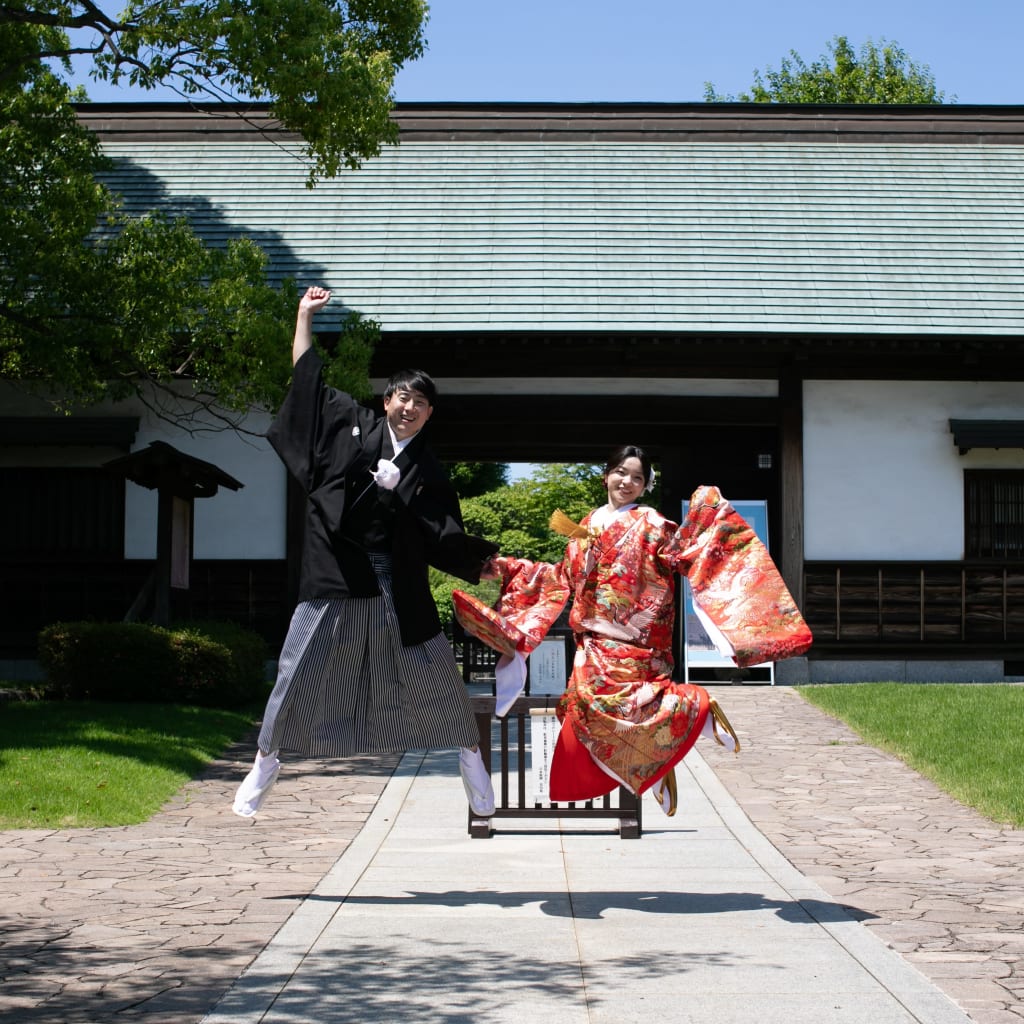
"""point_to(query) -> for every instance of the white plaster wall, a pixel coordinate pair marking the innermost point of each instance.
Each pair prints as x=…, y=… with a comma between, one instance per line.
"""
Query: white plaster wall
x=882, y=478
x=244, y=524
x=248, y=523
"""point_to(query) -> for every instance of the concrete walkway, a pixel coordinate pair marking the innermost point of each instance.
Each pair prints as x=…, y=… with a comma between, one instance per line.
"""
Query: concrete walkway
x=782, y=890
x=700, y=920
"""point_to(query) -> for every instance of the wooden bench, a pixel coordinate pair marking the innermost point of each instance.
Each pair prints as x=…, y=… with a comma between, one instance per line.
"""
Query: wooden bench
x=513, y=796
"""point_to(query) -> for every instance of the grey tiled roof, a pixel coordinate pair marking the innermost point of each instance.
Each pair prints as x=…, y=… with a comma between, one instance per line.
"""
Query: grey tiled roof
x=601, y=235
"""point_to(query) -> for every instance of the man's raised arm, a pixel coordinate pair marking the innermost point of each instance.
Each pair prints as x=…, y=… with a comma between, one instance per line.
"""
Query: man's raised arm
x=314, y=299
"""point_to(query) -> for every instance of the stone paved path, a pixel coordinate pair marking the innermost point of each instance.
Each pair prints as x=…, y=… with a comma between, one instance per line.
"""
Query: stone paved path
x=940, y=884
x=154, y=922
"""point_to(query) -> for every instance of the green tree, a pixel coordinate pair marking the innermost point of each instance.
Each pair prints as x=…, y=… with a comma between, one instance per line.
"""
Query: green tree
x=880, y=73
x=473, y=478
x=327, y=67
x=515, y=517
x=95, y=304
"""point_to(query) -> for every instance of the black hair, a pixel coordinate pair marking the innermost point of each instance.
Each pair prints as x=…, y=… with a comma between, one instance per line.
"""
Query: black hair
x=412, y=380
x=628, y=451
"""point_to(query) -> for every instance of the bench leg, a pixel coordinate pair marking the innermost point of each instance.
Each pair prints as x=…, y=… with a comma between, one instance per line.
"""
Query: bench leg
x=630, y=820
x=480, y=828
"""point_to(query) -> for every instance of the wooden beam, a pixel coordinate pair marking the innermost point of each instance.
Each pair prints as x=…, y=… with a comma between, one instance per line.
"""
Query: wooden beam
x=791, y=455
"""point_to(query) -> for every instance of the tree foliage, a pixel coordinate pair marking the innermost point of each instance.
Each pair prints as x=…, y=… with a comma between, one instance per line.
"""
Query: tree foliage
x=515, y=517
x=96, y=304
x=327, y=67
x=471, y=479
x=879, y=73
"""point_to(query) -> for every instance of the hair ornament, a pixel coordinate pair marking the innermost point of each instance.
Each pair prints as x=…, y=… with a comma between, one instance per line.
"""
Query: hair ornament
x=650, y=480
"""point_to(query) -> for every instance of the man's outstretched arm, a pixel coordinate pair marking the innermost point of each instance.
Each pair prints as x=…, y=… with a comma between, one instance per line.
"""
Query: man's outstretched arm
x=315, y=299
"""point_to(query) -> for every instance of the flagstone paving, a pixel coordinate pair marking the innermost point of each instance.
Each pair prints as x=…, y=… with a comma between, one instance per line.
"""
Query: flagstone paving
x=937, y=882
x=155, y=922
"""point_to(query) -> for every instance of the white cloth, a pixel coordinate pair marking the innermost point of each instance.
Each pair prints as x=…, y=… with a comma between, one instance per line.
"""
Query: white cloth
x=604, y=516
x=387, y=475
x=509, y=680
x=256, y=785
x=396, y=445
x=722, y=737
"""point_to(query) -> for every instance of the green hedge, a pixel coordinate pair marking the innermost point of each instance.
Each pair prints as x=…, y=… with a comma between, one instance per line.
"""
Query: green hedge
x=212, y=664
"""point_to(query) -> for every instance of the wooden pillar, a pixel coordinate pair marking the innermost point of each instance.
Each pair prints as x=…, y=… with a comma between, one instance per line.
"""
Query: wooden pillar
x=164, y=542
x=676, y=486
x=181, y=543
x=791, y=452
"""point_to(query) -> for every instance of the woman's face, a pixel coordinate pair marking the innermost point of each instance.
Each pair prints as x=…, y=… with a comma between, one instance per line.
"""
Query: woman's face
x=625, y=483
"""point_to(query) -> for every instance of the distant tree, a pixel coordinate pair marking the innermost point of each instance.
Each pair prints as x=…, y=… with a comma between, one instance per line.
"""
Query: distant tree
x=880, y=73
x=95, y=304
x=516, y=518
x=327, y=67
x=471, y=479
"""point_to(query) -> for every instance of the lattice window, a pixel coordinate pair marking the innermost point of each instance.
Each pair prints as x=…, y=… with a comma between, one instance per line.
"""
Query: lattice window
x=60, y=514
x=994, y=513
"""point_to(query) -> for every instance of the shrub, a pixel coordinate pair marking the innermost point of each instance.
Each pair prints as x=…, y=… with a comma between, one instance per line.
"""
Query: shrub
x=248, y=652
x=210, y=664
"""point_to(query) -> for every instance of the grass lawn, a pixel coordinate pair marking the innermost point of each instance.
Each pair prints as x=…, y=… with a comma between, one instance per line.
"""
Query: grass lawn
x=968, y=739
x=86, y=764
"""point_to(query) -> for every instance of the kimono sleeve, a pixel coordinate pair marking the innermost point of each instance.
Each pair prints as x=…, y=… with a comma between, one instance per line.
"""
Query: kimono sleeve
x=309, y=420
x=737, y=590
x=438, y=519
x=533, y=595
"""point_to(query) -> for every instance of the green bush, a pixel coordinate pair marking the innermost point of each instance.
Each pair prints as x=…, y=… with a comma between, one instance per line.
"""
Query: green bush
x=248, y=657
x=209, y=664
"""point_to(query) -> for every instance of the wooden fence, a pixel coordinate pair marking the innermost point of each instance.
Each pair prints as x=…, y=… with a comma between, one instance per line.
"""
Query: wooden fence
x=952, y=608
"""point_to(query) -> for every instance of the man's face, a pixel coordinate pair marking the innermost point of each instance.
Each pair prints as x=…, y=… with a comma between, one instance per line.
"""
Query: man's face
x=407, y=412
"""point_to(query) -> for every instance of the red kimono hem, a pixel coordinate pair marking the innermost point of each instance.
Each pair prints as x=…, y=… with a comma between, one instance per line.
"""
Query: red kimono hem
x=576, y=776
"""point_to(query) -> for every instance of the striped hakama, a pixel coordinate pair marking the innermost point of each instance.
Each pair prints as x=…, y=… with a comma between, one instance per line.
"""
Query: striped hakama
x=346, y=685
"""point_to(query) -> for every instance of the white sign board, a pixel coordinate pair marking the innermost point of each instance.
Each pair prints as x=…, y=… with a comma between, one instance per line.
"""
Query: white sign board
x=547, y=668
x=699, y=648
x=544, y=726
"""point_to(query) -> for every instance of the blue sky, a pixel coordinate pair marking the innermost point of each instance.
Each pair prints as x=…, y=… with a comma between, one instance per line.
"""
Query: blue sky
x=665, y=50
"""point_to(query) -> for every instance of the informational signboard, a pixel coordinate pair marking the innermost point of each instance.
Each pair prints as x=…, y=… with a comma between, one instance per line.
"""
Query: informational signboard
x=699, y=648
x=547, y=668
x=544, y=726
x=181, y=542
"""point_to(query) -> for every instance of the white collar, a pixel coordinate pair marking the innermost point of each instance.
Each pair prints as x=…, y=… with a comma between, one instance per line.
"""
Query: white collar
x=397, y=445
x=603, y=517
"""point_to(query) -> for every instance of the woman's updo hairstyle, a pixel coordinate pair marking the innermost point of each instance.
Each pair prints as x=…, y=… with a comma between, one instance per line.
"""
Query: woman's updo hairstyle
x=630, y=451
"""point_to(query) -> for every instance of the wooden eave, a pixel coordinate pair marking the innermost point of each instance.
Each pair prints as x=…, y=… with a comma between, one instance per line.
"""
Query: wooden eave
x=650, y=122
x=727, y=355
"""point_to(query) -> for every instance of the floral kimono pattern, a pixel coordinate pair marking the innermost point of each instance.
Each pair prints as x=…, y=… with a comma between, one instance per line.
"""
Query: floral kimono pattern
x=623, y=718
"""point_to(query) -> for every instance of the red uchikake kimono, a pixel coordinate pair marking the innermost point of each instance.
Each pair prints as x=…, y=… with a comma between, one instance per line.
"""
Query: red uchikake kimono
x=623, y=718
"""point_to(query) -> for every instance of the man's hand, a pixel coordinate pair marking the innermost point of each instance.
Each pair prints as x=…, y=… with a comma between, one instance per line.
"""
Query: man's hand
x=314, y=299
x=493, y=568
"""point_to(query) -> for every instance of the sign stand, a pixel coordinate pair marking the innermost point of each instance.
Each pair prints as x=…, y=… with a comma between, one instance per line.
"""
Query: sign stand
x=698, y=647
